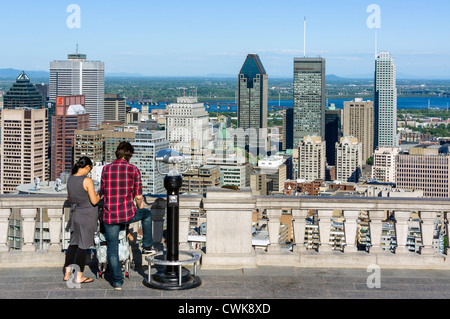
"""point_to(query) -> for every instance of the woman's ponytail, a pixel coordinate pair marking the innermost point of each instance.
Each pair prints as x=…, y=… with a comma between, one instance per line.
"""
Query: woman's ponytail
x=81, y=163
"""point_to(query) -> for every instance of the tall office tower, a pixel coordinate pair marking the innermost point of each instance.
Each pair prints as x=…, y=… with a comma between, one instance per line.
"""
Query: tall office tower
x=252, y=110
x=77, y=76
x=187, y=125
x=115, y=108
x=333, y=132
x=252, y=94
x=310, y=158
x=24, y=141
x=288, y=129
x=383, y=168
x=358, y=122
x=309, y=98
x=146, y=145
x=424, y=169
x=385, y=106
x=23, y=94
x=348, y=159
x=69, y=116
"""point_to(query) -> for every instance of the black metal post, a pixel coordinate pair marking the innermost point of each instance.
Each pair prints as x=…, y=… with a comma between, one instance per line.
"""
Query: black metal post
x=173, y=185
x=171, y=278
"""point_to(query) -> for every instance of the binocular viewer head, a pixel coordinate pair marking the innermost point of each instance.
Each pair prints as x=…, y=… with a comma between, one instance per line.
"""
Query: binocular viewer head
x=172, y=157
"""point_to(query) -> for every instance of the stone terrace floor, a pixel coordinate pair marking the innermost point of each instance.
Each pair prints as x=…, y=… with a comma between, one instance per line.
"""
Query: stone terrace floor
x=260, y=283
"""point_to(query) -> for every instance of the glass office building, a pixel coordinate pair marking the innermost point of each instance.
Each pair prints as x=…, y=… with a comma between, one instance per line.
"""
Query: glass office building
x=309, y=98
x=385, y=106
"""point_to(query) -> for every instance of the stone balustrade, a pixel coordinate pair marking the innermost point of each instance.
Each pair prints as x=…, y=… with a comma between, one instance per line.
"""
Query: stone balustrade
x=229, y=229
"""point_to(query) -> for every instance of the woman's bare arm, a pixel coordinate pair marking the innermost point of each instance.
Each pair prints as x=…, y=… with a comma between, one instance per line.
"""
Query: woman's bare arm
x=88, y=185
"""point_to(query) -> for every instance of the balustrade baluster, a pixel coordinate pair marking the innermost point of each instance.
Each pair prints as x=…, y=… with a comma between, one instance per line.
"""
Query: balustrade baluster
x=350, y=229
x=4, y=229
x=55, y=225
x=274, y=216
x=427, y=230
x=376, y=228
x=325, y=230
x=299, y=216
x=401, y=231
x=29, y=228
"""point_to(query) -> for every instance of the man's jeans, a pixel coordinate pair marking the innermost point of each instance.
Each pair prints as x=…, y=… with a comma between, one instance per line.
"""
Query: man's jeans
x=112, y=241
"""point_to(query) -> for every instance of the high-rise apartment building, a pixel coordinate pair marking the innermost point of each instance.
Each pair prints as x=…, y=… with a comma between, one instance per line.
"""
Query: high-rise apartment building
x=383, y=168
x=385, y=106
x=348, y=159
x=78, y=76
x=24, y=143
x=358, y=121
x=424, y=169
x=309, y=159
x=70, y=115
x=309, y=98
x=23, y=94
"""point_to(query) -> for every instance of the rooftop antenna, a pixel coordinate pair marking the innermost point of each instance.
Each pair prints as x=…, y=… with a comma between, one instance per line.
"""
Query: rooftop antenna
x=304, y=37
x=77, y=48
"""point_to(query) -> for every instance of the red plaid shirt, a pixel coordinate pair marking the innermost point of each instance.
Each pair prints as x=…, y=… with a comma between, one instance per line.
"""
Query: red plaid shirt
x=121, y=183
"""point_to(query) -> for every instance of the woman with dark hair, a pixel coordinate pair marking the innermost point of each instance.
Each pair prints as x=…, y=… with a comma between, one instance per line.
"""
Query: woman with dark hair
x=83, y=218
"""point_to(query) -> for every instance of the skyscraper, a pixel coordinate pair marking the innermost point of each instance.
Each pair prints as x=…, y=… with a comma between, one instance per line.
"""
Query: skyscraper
x=23, y=94
x=23, y=136
x=385, y=106
x=252, y=94
x=309, y=98
x=358, y=122
x=77, y=76
x=252, y=104
x=70, y=115
x=24, y=141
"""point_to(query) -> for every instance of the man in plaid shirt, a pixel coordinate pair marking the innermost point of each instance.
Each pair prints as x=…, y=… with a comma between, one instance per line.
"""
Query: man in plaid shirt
x=121, y=185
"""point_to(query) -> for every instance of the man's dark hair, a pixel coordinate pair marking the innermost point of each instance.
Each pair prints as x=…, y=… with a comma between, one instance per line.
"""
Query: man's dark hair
x=124, y=150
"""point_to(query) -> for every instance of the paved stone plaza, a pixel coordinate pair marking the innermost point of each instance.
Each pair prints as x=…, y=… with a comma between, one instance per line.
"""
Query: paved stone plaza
x=260, y=283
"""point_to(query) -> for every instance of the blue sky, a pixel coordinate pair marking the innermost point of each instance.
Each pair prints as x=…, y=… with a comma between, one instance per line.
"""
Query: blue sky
x=198, y=37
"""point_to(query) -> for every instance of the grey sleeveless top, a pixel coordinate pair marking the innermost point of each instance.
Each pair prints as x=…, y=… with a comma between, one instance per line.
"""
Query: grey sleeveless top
x=83, y=222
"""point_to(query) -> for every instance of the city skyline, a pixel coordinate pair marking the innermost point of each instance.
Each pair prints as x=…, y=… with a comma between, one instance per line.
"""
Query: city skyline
x=183, y=39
